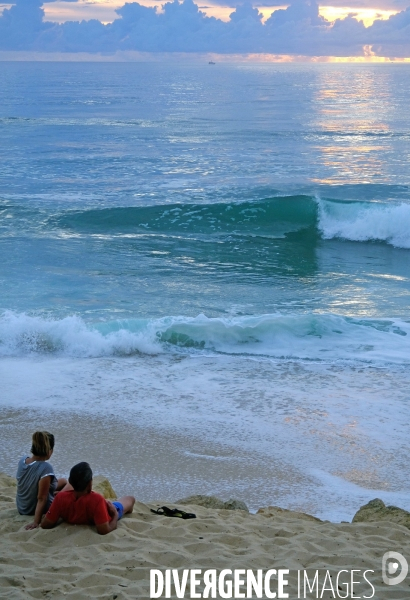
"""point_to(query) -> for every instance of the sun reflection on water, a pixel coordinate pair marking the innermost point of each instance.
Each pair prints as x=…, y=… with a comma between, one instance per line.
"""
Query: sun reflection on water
x=359, y=106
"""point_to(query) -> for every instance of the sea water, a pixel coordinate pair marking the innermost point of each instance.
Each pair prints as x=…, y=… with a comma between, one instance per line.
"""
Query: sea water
x=220, y=252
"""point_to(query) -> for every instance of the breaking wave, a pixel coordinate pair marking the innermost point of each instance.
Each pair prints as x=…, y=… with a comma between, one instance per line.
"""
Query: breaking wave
x=387, y=222
x=300, y=337
x=359, y=221
x=365, y=221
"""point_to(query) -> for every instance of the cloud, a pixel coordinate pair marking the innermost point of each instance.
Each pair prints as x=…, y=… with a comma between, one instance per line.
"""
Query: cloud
x=392, y=36
x=21, y=24
x=299, y=10
x=184, y=27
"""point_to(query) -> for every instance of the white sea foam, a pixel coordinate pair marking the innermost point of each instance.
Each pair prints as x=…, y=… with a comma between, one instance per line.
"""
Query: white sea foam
x=269, y=424
x=22, y=334
x=302, y=337
x=365, y=221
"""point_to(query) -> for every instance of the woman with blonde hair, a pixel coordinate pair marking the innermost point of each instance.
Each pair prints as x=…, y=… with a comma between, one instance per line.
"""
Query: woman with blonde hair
x=36, y=482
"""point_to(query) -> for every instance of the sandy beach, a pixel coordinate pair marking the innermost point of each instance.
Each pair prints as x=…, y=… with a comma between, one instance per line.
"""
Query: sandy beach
x=75, y=562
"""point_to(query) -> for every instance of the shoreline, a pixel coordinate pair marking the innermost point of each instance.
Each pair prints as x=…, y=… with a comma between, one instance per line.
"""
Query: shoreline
x=151, y=462
x=321, y=439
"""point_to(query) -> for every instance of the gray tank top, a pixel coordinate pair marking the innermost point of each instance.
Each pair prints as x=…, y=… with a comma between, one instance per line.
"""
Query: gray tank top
x=28, y=477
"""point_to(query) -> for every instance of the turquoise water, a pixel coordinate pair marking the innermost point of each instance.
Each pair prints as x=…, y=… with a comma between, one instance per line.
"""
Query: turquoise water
x=234, y=213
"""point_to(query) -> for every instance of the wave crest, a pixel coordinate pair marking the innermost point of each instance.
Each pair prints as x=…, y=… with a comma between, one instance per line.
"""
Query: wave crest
x=22, y=334
x=365, y=221
x=387, y=222
x=301, y=337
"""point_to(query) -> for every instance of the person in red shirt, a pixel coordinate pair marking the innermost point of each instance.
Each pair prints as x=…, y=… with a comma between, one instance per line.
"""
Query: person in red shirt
x=82, y=506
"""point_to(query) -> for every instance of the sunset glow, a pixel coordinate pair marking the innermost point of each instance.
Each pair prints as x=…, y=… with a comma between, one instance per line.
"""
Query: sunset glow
x=367, y=15
x=292, y=58
x=104, y=11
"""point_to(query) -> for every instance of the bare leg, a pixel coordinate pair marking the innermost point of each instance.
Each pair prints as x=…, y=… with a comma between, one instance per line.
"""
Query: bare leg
x=67, y=488
x=63, y=486
x=127, y=502
x=61, y=482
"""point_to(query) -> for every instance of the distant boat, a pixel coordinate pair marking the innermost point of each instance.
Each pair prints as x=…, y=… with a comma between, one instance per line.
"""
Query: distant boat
x=211, y=63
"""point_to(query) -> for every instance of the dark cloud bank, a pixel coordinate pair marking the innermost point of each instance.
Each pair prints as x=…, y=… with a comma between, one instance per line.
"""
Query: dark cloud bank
x=182, y=27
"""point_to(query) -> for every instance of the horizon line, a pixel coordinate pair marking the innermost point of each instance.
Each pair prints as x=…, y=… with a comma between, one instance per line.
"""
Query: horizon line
x=129, y=56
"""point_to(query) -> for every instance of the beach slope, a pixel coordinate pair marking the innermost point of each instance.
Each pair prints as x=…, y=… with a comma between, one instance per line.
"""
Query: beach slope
x=74, y=562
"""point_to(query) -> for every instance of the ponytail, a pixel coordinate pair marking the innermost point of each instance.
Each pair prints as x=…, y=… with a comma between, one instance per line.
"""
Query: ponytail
x=42, y=443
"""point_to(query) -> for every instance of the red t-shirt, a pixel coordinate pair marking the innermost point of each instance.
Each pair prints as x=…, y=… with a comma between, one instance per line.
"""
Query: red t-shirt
x=90, y=509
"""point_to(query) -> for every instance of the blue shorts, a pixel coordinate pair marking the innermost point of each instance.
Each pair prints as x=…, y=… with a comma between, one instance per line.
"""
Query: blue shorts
x=120, y=509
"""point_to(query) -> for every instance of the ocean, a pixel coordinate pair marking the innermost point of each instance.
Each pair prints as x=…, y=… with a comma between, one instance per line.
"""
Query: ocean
x=205, y=277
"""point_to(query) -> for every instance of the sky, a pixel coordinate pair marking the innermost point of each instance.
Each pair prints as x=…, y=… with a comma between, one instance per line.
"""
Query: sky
x=104, y=10
x=356, y=28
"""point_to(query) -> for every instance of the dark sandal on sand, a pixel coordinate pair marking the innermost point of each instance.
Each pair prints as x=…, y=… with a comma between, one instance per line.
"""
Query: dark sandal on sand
x=173, y=512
